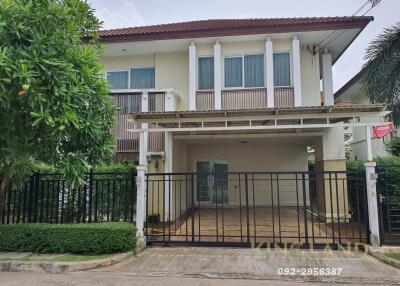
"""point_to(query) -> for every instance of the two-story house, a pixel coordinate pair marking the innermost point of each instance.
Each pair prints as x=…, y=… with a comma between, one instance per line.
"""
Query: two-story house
x=241, y=98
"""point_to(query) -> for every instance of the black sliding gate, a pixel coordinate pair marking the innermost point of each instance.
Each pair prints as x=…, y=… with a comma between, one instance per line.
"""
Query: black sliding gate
x=307, y=209
x=388, y=185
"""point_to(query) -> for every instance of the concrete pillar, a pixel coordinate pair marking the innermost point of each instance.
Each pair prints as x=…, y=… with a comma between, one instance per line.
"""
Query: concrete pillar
x=217, y=76
x=296, y=72
x=327, y=79
x=269, y=73
x=192, y=76
x=372, y=195
x=168, y=169
x=144, y=136
x=332, y=193
x=371, y=177
x=170, y=101
x=140, y=205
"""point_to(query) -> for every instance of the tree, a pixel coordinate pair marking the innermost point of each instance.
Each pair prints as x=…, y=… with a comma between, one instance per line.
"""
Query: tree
x=381, y=72
x=54, y=103
x=394, y=146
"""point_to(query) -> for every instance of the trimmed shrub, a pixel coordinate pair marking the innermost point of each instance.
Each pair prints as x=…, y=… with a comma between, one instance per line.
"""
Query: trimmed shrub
x=91, y=238
x=115, y=167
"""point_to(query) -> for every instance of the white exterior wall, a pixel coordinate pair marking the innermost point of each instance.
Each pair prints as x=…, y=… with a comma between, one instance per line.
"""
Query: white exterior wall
x=172, y=68
x=261, y=157
x=172, y=71
x=310, y=85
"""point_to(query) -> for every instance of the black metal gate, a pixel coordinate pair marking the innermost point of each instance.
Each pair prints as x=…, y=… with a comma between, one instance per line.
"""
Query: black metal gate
x=307, y=209
x=45, y=198
x=388, y=186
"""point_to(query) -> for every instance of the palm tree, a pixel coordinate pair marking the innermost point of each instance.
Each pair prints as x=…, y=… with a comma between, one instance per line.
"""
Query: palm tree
x=381, y=72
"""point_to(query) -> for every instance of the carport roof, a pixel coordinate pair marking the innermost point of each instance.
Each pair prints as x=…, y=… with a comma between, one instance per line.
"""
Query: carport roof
x=258, y=119
x=346, y=111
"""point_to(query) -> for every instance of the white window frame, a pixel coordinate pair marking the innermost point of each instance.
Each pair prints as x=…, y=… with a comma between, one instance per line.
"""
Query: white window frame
x=242, y=56
x=118, y=70
x=142, y=67
x=290, y=66
x=195, y=171
x=198, y=74
x=129, y=78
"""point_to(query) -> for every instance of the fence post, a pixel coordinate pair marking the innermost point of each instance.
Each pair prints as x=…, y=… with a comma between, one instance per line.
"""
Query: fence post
x=373, y=215
x=140, y=206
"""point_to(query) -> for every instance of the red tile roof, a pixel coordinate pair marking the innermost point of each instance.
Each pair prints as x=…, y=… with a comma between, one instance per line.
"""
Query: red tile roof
x=229, y=27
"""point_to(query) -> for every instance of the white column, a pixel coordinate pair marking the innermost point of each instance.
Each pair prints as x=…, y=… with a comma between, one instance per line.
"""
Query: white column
x=217, y=76
x=369, y=143
x=168, y=162
x=269, y=73
x=170, y=101
x=327, y=80
x=296, y=72
x=192, y=76
x=144, y=136
x=372, y=195
x=373, y=214
x=168, y=169
x=140, y=205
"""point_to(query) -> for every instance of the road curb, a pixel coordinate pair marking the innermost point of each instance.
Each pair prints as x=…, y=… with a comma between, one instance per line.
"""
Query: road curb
x=60, y=267
x=377, y=252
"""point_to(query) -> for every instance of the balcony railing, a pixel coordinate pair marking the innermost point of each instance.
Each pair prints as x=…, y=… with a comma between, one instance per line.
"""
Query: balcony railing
x=205, y=100
x=244, y=98
x=127, y=103
x=132, y=102
x=284, y=97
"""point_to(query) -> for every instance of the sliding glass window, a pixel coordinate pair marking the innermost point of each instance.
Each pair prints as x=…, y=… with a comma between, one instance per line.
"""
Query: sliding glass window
x=244, y=71
x=282, y=69
x=142, y=78
x=118, y=79
x=206, y=73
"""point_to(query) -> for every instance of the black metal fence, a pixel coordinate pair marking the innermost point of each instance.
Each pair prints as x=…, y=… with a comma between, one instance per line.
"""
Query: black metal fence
x=388, y=185
x=45, y=198
x=310, y=209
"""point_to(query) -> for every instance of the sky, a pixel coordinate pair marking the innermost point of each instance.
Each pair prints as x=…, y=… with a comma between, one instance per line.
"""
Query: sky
x=130, y=13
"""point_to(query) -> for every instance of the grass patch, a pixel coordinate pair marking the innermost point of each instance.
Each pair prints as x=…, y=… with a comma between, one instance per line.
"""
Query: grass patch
x=79, y=258
x=394, y=255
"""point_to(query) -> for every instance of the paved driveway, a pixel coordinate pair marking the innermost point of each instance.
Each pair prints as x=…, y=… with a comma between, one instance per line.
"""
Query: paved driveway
x=221, y=266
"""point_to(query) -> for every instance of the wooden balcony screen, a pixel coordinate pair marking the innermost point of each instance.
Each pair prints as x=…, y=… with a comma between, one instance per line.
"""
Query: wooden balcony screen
x=205, y=100
x=284, y=97
x=127, y=102
x=244, y=98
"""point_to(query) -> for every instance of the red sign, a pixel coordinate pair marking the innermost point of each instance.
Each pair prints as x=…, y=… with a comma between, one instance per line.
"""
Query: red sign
x=382, y=130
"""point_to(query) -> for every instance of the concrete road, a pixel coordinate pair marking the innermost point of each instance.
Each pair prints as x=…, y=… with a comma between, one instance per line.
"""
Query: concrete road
x=224, y=266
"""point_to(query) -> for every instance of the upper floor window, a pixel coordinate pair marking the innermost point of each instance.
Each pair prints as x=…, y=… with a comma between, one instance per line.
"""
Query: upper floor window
x=135, y=78
x=244, y=71
x=282, y=69
x=206, y=73
x=118, y=79
x=142, y=78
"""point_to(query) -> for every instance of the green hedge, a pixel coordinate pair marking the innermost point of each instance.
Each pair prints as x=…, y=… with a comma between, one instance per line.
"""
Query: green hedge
x=100, y=168
x=358, y=165
x=93, y=238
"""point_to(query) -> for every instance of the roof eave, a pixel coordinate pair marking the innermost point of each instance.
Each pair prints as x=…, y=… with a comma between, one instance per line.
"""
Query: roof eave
x=237, y=31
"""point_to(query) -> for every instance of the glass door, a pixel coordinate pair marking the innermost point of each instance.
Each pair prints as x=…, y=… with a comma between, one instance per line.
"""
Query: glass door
x=212, y=181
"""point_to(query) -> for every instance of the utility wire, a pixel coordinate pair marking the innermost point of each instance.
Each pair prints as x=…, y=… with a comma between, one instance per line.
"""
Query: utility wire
x=337, y=34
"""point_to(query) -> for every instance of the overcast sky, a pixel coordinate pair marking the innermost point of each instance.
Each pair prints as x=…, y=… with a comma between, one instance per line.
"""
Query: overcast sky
x=129, y=13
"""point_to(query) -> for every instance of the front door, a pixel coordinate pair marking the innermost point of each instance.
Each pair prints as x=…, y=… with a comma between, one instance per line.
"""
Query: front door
x=212, y=181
